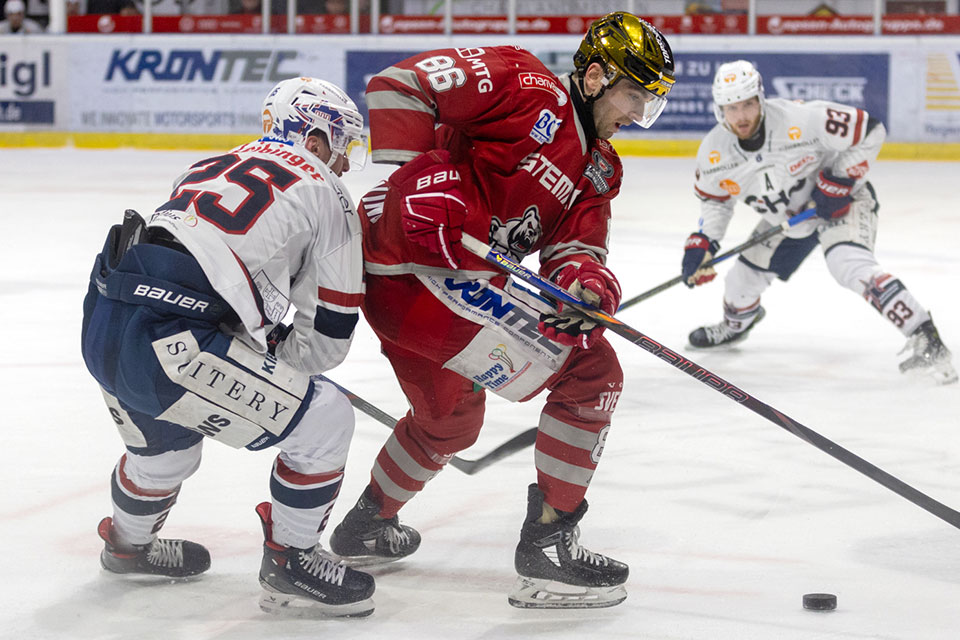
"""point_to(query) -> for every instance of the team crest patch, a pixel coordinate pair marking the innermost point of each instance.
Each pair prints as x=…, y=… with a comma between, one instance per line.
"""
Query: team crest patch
x=546, y=127
x=598, y=172
x=516, y=236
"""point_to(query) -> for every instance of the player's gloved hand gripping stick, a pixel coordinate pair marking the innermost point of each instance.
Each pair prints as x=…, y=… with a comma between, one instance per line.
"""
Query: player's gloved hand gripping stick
x=766, y=235
x=715, y=382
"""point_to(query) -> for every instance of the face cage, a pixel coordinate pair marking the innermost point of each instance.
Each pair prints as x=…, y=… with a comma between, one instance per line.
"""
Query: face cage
x=642, y=106
x=352, y=145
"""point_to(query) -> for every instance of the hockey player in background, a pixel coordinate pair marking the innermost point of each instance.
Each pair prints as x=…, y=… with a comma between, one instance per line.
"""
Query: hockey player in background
x=182, y=329
x=777, y=156
x=495, y=146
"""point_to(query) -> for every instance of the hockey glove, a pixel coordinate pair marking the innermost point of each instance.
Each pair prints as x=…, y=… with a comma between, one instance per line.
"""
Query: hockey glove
x=832, y=195
x=595, y=285
x=432, y=208
x=696, y=250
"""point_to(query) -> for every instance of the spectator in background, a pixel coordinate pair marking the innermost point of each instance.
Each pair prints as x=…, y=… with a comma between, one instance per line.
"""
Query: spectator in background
x=17, y=20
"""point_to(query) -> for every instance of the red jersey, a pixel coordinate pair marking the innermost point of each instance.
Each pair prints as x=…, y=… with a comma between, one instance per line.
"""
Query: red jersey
x=532, y=179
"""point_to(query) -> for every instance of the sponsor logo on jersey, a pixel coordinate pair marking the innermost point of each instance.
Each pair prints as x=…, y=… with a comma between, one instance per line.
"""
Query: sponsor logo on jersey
x=727, y=166
x=545, y=127
x=730, y=187
x=543, y=82
x=516, y=236
x=551, y=178
x=714, y=157
x=845, y=89
x=796, y=167
x=479, y=68
x=858, y=170
x=793, y=133
x=598, y=171
x=500, y=353
x=515, y=319
x=193, y=65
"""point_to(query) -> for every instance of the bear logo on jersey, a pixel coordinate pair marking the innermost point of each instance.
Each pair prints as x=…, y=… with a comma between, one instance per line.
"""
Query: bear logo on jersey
x=517, y=236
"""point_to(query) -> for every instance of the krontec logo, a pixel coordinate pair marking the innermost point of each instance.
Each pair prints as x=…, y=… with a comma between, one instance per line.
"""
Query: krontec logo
x=848, y=90
x=192, y=65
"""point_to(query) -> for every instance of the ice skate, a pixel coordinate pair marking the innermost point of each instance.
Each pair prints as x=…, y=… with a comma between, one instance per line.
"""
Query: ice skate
x=716, y=335
x=309, y=582
x=363, y=539
x=162, y=557
x=555, y=572
x=929, y=355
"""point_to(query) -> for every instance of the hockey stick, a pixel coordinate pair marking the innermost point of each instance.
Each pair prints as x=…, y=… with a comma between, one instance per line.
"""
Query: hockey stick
x=766, y=235
x=717, y=383
x=520, y=441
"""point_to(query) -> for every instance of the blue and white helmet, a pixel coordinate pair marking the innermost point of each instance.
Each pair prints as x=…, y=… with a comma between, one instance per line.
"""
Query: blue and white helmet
x=735, y=82
x=296, y=107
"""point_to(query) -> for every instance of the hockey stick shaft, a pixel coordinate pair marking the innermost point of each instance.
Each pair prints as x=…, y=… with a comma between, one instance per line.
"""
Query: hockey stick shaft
x=718, y=384
x=469, y=467
x=766, y=235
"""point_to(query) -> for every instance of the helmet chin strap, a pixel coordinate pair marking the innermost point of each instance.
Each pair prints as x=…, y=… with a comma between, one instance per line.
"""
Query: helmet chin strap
x=333, y=158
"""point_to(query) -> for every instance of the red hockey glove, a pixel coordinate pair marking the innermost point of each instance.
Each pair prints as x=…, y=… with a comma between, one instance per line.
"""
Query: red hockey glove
x=594, y=284
x=696, y=250
x=832, y=195
x=433, y=209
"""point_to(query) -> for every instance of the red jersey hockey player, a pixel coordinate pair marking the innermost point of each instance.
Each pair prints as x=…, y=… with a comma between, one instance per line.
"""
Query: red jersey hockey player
x=497, y=147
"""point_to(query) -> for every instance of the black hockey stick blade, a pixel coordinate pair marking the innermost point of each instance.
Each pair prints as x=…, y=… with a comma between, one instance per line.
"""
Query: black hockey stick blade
x=717, y=383
x=469, y=467
x=520, y=441
x=766, y=235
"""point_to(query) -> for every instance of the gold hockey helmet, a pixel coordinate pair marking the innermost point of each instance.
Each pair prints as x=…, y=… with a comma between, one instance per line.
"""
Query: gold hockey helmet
x=629, y=47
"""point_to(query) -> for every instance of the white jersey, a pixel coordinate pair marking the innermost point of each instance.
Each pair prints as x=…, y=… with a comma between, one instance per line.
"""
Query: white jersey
x=776, y=180
x=272, y=227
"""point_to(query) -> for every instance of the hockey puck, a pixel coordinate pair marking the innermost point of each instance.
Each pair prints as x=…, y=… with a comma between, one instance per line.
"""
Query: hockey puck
x=819, y=601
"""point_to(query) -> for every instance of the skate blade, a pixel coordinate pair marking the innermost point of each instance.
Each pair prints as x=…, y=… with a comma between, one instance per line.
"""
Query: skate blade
x=293, y=606
x=531, y=593
x=942, y=373
x=366, y=561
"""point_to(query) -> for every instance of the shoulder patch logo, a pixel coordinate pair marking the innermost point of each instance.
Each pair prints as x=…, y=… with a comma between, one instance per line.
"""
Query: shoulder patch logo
x=730, y=187
x=543, y=82
x=545, y=127
x=794, y=133
x=857, y=171
x=714, y=157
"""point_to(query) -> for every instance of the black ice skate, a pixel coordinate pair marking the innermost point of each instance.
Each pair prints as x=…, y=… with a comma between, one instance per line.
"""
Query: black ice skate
x=309, y=582
x=555, y=572
x=929, y=354
x=716, y=335
x=162, y=557
x=363, y=539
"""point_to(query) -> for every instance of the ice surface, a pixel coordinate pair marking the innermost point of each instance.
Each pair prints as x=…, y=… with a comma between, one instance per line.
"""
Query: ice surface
x=725, y=519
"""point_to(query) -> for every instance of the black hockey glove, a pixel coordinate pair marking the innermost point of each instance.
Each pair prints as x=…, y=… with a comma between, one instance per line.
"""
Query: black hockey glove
x=277, y=335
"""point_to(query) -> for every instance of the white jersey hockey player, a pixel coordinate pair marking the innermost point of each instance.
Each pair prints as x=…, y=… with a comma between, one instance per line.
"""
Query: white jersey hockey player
x=777, y=156
x=182, y=329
